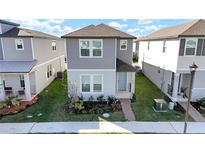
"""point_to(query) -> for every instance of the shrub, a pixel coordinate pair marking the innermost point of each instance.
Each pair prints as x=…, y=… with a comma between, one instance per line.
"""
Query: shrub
x=101, y=99
x=133, y=98
x=81, y=97
x=111, y=99
x=2, y=105
x=202, y=102
x=91, y=99
x=15, y=102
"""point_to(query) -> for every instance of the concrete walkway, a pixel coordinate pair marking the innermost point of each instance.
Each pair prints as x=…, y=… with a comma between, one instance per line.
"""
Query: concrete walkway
x=127, y=110
x=193, y=112
x=101, y=127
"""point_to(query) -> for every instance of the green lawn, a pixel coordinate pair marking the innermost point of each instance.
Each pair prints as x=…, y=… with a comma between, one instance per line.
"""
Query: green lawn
x=146, y=91
x=50, y=105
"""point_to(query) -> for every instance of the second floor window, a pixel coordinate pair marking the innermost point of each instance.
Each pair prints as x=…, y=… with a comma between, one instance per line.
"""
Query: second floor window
x=123, y=44
x=91, y=48
x=53, y=45
x=190, y=47
x=19, y=44
x=164, y=47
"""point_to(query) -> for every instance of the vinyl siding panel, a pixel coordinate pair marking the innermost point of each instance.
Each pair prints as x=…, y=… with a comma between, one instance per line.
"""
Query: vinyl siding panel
x=75, y=62
x=11, y=53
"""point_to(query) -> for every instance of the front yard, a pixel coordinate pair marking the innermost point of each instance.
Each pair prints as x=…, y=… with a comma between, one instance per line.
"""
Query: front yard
x=145, y=92
x=50, y=108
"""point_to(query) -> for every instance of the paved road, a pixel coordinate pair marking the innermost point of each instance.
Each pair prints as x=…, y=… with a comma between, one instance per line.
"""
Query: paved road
x=101, y=127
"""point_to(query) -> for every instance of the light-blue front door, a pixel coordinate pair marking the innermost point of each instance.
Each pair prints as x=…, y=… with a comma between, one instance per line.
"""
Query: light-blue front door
x=122, y=81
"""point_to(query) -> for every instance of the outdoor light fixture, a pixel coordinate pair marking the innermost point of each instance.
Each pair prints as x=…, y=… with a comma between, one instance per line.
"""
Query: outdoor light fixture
x=193, y=68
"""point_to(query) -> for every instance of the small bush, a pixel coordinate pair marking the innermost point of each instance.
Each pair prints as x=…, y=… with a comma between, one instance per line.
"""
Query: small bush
x=2, y=105
x=111, y=99
x=91, y=99
x=101, y=99
x=15, y=102
x=202, y=102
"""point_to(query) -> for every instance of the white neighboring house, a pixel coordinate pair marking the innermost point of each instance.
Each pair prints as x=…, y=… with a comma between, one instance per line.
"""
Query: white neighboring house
x=29, y=60
x=100, y=62
x=165, y=57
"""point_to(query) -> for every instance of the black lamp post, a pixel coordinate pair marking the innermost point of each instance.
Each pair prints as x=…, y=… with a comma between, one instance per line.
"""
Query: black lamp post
x=193, y=68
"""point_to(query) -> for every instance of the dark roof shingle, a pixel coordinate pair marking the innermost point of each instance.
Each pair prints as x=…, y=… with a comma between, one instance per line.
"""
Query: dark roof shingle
x=193, y=28
x=23, y=32
x=97, y=31
x=124, y=67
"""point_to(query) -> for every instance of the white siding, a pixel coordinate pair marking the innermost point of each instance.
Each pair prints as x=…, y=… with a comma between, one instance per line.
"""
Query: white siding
x=156, y=57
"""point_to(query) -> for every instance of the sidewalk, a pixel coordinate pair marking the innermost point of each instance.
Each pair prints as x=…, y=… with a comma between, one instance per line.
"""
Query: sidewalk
x=101, y=127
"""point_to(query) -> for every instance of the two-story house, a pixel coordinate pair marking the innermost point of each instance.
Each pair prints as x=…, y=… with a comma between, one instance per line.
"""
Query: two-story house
x=100, y=62
x=29, y=60
x=165, y=57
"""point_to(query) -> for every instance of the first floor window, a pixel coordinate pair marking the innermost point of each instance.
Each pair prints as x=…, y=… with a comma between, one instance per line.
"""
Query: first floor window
x=123, y=44
x=97, y=83
x=19, y=44
x=190, y=46
x=49, y=71
x=91, y=83
x=85, y=80
x=22, y=83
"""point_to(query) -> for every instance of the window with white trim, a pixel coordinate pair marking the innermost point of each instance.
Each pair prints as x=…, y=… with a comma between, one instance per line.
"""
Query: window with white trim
x=53, y=44
x=49, y=71
x=123, y=44
x=22, y=82
x=190, y=47
x=97, y=83
x=164, y=46
x=85, y=83
x=19, y=44
x=91, y=83
x=92, y=48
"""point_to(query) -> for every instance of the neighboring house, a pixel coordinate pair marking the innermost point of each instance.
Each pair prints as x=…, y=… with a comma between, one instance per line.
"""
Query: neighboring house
x=29, y=60
x=165, y=57
x=100, y=62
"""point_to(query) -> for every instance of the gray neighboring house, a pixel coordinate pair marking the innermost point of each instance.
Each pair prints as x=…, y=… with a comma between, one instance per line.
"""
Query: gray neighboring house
x=165, y=57
x=29, y=60
x=100, y=62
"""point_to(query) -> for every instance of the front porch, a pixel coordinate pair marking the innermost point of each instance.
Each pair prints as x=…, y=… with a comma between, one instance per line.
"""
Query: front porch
x=17, y=85
x=178, y=89
x=125, y=80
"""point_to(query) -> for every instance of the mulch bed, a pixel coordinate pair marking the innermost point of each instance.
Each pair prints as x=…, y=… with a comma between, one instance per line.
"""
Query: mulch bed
x=15, y=109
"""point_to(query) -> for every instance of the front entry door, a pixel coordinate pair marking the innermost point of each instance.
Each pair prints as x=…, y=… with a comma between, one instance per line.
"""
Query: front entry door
x=122, y=81
x=1, y=89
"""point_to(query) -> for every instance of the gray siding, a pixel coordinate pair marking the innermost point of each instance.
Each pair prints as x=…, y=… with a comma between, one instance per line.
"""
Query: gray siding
x=125, y=55
x=11, y=53
x=43, y=49
x=156, y=77
x=75, y=62
x=1, y=52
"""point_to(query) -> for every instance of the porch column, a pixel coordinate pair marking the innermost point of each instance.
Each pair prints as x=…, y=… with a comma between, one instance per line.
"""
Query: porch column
x=2, y=93
x=175, y=85
x=27, y=86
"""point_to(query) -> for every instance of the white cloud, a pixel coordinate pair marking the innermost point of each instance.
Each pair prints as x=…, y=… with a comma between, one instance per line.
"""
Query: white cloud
x=154, y=27
x=56, y=21
x=145, y=21
x=68, y=29
x=133, y=30
x=117, y=25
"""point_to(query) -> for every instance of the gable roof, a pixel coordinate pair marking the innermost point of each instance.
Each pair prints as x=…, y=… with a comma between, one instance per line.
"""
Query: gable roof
x=98, y=31
x=193, y=28
x=8, y=23
x=23, y=32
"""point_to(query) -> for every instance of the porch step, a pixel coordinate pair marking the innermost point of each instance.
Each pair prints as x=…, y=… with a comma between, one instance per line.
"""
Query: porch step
x=127, y=110
x=193, y=112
